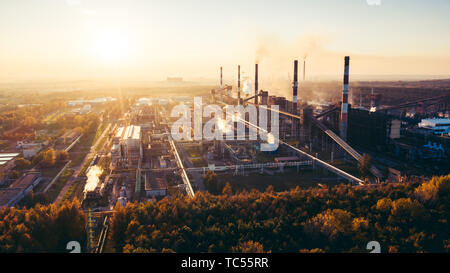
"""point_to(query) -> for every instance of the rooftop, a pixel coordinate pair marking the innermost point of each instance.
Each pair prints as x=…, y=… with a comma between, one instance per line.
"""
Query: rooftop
x=436, y=121
x=153, y=182
x=8, y=155
x=7, y=194
x=133, y=132
x=25, y=181
x=5, y=158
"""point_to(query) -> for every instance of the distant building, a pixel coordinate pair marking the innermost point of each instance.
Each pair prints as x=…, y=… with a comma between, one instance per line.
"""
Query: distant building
x=144, y=102
x=93, y=101
x=437, y=126
x=174, y=79
x=30, y=152
x=86, y=109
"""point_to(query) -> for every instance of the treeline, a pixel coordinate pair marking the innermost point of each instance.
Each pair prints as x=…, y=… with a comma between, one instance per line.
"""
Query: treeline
x=27, y=117
x=81, y=123
x=410, y=217
x=42, y=228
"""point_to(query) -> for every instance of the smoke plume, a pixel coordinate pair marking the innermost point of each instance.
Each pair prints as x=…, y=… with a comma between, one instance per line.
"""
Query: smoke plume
x=93, y=178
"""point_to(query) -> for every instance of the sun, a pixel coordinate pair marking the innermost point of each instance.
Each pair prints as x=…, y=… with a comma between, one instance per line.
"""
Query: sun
x=110, y=46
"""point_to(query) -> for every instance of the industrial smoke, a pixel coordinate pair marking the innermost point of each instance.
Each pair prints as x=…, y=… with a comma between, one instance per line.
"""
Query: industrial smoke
x=93, y=178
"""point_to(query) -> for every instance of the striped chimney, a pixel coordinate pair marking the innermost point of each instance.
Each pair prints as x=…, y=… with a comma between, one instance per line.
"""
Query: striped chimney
x=294, y=88
x=344, y=110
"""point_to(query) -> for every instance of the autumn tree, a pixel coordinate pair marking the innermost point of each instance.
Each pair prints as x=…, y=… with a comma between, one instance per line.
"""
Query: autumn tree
x=249, y=247
x=22, y=163
x=340, y=218
x=48, y=158
x=62, y=155
x=41, y=228
x=364, y=164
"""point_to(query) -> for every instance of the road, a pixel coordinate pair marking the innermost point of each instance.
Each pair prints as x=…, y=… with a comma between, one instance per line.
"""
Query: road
x=78, y=168
x=197, y=179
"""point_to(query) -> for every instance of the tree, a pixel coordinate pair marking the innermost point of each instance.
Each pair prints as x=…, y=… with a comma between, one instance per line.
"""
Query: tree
x=41, y=228
x=384, y=205
x=407, y=210
x=21, y=163
x=29, y=122
x=14, y=174
x=340, y=218
x=62, y=155
x=331, y=223
x=48, y=158
x=249, y=247
x=227, y=190
x=212, y=183
x=429, y=192
x=364, y=164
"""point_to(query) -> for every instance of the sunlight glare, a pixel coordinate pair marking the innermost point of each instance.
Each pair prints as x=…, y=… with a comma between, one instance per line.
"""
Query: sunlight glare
x=110, y=46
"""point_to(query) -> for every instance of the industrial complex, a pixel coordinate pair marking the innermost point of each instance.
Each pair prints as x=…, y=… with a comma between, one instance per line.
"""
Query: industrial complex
x=318, y=145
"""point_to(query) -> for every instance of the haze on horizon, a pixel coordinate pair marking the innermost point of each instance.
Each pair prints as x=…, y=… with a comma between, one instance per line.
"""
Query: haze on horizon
x=151, y=40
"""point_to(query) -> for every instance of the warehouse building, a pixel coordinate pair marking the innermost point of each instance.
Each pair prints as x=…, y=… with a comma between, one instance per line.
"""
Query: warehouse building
x=19, y=189
x=127, y=149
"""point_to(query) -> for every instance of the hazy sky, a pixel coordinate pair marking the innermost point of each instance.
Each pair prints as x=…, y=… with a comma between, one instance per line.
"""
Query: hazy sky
x=149, y=39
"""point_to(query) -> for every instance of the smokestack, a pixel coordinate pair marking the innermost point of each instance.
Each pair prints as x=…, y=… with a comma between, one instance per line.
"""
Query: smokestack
x=304, y=69
x=239, y=84
x=294, y=88
x=256, y=83
x=344, y=110
x=221, y=83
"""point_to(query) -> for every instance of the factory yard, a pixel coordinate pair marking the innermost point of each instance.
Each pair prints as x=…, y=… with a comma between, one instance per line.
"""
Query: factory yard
x=287, y=180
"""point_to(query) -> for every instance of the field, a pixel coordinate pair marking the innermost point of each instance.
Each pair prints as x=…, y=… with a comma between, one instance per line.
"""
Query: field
x=56, y=188
x=280, y=182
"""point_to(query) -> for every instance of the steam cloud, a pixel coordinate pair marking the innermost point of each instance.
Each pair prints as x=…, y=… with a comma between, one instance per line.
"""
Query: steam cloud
x=93, y=178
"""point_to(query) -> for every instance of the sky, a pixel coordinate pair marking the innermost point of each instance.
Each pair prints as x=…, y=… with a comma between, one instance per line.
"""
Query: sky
x=151, y=40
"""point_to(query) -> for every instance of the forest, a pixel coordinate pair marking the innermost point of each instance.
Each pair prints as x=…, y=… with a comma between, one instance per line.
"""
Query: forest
x=403, y=217
x=41, y=228
x=407, y=217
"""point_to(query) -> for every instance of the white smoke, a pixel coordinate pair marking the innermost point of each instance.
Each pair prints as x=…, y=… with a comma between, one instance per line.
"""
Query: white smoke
x=92, y=178
x=248, y=86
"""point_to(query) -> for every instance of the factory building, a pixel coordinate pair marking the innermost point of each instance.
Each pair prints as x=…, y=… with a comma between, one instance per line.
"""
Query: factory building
x=19, y=189
x=127, y=149
x=437, y=126
x=7, y=163
x=371, y=129
x=155, y=186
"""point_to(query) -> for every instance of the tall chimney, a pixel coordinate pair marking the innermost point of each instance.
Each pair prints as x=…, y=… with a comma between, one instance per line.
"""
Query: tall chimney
x=221, y=82
x=344, y=110
x=304, y=69
x=256, y=83
x=239, y=84
x=294, y=88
